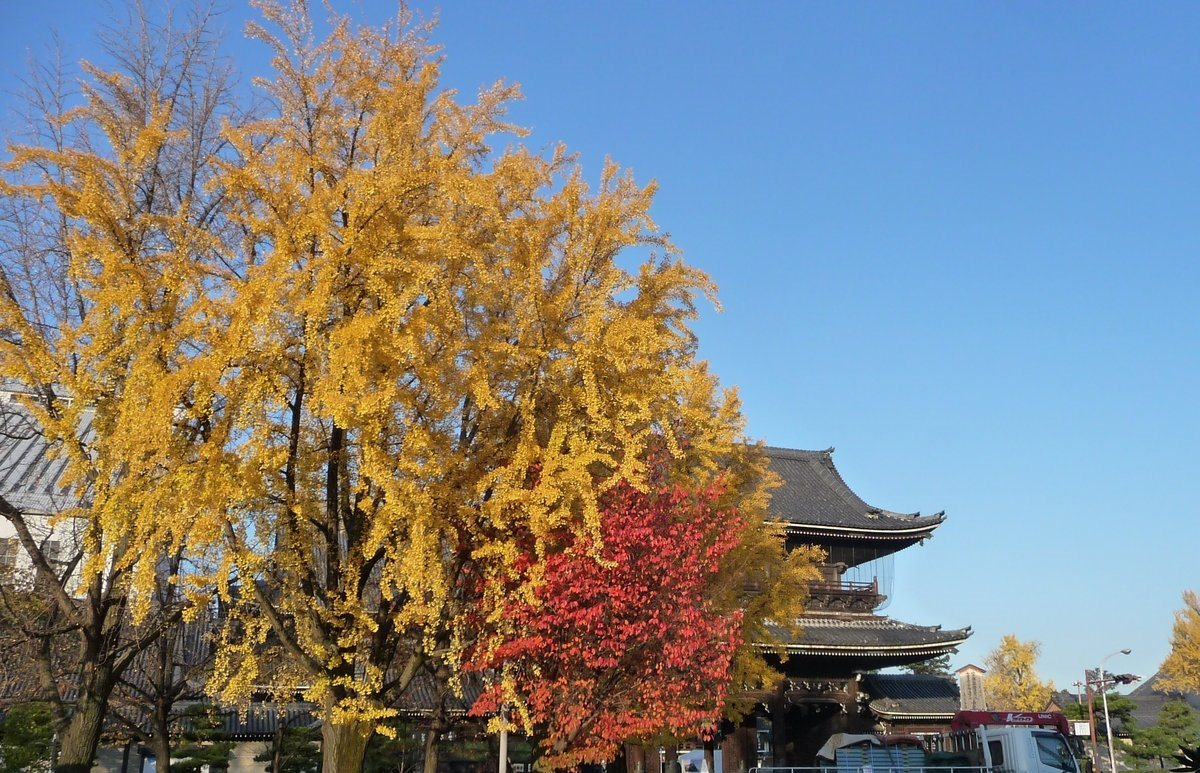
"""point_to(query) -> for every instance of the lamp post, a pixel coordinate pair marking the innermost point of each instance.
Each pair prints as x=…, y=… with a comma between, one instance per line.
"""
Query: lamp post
x=1112, y=757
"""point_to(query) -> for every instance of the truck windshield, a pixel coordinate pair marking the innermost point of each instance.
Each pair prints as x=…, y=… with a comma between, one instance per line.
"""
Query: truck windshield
x=1053, y=751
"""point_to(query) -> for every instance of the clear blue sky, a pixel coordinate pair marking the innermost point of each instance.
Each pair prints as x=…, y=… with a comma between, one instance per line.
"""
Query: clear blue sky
x=957, y=241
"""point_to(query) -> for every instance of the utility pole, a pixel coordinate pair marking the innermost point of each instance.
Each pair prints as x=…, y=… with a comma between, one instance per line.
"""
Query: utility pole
x=1098, y=679
x=1091, y=719
x=503, y=765
x=1112, y=755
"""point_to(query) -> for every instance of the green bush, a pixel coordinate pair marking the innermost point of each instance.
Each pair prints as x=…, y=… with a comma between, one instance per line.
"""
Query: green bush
x=26, y=738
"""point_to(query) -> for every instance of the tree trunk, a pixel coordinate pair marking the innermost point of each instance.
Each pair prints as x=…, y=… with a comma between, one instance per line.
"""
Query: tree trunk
x=277, y=743
x=161, y=727
x=78, y=742
x=431, y=750
x=344, y=745
x=162, y=752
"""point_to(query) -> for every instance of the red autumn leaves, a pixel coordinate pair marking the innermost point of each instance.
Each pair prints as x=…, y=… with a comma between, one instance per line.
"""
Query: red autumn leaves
x=627, y=641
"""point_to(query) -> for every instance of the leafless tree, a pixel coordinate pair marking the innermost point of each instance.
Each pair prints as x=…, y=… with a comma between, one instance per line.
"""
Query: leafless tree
x=78, y=589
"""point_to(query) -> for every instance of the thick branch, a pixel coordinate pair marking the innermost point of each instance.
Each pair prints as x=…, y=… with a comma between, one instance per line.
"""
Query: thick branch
x=272, y=614
x=44, y=571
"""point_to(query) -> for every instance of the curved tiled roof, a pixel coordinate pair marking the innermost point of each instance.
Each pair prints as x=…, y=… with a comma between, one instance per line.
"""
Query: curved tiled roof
x=813, y=494
x=31, y=474
x=858, y=635
x=911, y=696
x=1149, y=697
x=421, y=696
x=261, y=720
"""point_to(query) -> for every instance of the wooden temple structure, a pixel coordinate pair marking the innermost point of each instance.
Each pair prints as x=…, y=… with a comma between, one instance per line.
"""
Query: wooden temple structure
x=844, y=636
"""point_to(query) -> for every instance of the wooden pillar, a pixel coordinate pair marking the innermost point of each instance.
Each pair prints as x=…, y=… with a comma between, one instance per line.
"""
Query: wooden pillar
x=739, y=749
x=670, y=759
x=635, y=759
x=731, y=754
x=778, y=708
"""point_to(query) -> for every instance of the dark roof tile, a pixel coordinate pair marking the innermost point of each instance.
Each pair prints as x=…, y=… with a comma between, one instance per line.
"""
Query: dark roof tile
x=1150, y=698
x=911, y=695
x=813, y=494
x=872, y=633
x=32, y=474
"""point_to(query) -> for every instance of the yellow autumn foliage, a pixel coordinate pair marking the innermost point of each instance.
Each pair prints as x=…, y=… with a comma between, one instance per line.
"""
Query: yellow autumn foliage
x=1181, y=670
x=1012, y=683
x=369, y=349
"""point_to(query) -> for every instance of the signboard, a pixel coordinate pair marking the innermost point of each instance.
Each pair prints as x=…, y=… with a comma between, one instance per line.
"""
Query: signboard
x=970, y=719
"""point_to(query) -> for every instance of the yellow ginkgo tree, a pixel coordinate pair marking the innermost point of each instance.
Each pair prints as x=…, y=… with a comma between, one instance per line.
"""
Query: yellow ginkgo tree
x=419, y=343
x=1181, y=670
x=1012, y=682
x=341, y=355
x=109, y=217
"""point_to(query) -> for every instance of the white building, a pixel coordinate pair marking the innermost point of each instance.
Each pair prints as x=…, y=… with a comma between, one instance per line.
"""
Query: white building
x=33, y=483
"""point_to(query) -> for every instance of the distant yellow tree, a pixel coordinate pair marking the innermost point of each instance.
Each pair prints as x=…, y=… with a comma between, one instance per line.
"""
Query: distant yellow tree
x=1181, y=670
x=1011, y=681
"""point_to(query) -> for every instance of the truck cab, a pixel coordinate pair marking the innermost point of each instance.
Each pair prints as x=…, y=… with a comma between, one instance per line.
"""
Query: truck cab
x=1026, y=750
x=1015, y=742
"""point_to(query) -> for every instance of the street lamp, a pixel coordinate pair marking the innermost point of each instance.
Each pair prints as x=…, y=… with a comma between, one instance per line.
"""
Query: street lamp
x=1112, y=757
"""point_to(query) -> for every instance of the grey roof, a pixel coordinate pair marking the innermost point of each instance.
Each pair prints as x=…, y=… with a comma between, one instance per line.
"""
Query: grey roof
x=1064, y=698
x=261, y=719
x=813, y=494
x=1151, y=687
x=31, y=471
x=899, y=696
x=1149, y=698
x=421, y=696
x=856, y=635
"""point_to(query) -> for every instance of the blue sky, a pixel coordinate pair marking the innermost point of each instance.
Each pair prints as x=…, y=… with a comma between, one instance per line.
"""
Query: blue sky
x=957, y=241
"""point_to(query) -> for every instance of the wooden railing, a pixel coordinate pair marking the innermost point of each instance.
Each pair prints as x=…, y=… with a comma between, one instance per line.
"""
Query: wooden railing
x=837, y=596
x=847, y=596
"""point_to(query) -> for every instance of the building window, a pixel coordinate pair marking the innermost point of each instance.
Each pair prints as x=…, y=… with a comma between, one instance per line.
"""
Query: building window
x=8, y=551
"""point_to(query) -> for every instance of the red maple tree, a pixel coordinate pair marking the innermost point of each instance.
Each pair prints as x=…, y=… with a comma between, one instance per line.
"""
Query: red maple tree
x=621, y=638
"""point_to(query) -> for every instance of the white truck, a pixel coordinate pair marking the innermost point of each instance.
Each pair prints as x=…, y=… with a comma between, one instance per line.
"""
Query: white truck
x=978, y=742
x=1007, y=742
